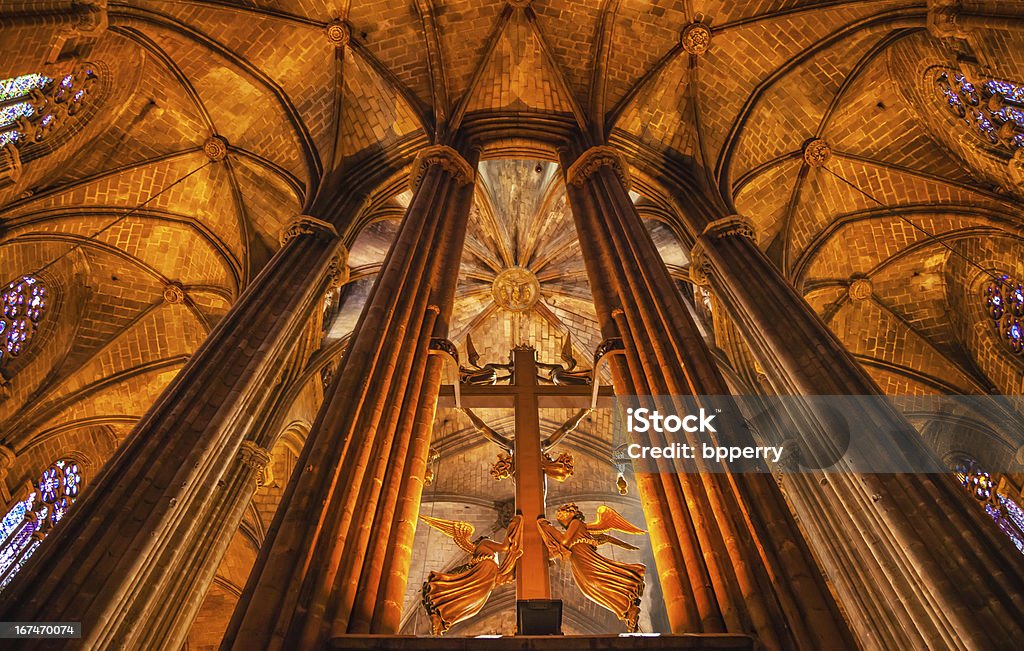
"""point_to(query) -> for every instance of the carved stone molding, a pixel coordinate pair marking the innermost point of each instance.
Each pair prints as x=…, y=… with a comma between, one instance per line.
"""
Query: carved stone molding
x=606, y=347
x=594, y=159
x=449, y=160
x=256, y=457
x=695, y=38
x=1017, y=168
x=90, y=17
x=174, y=293
x=817, y=152
x=306, y=225
x=700, y=267
x=216, y=148
x=10, y=166
x=860, y=289
x=338, y=33
x=444, y=346
x=731, y=225
x=944, y=19
x=7, y=459
x=337, y=269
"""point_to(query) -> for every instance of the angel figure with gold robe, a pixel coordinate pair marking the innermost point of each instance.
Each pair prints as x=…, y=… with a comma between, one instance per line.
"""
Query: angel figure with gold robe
x=452, y=597
x=609, y=583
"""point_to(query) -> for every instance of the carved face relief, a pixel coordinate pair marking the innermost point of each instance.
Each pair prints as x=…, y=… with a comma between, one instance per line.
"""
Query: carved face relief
x=516, y=289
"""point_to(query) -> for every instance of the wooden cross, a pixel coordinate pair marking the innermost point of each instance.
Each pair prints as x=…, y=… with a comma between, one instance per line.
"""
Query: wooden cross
x=527, y=397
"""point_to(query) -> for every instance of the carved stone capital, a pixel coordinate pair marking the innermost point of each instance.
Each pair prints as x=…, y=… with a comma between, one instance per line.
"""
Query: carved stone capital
x=10, y=165
x=337, y=269
x=817, y=152
x=860, y=289
x=306, y=225
x=695, y=38
x=594, y=159
x=700, y=267
x=445, y=347
x=944, y=20
x=606, y=347
x=449, y=160
x=90, y=17
x=1017, y=168
x=338, y=33
x=731, y=225
x=7, y=459
x=256, y=457
x=174, y=293
x=216, y=148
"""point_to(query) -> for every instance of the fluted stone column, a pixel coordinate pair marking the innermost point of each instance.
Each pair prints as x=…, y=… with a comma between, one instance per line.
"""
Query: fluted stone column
x=912, y=559
x=325, y=566
x=729, y=554
x=118, y=552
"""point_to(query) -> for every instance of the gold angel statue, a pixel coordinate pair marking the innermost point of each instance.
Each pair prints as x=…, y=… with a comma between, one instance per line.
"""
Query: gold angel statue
x=452, y=597
x=611, y=584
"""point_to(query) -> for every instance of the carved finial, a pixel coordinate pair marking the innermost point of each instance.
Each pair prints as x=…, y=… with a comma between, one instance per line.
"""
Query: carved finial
x=860, y=289
x=338, y=33
x=216, y=148
x=695, y=38
x=817, y=152
x=174, y=293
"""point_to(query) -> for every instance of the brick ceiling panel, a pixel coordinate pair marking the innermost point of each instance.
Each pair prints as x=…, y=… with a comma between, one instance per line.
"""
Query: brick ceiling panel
x=393, y=33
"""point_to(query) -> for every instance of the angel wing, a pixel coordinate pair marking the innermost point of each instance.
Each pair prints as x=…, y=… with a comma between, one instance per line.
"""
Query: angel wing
x=567, y=356
x=460, y=532
x=606, y=539
x=471, y=354
x=608, y=519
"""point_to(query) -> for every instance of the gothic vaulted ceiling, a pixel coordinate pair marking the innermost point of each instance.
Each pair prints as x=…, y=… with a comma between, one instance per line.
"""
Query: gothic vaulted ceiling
x=886, y=242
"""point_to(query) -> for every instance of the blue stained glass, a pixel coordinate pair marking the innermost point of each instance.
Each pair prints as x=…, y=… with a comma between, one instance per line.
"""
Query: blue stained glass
x=9, y=137
x=21, y=563
x=10, y=114
x=49, y=484
x=1011, y=92
x=21, y=86
x=1013, y=511
x=17, y=543
x=16, y=516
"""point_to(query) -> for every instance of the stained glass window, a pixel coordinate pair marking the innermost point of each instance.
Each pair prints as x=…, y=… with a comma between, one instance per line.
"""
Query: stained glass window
x=23, y=303
x=1005, y=512
x=994, y=107
x=1004, y=304
x=30, y=520
x=32, y=106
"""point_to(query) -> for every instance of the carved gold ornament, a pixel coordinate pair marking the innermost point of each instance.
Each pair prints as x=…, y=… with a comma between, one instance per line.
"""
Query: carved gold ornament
x=516, y=289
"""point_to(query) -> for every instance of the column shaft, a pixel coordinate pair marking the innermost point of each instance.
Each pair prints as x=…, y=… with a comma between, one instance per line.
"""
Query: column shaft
x=665, y=355
x=925, y=548
x=112, y=554
x=323, y=557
